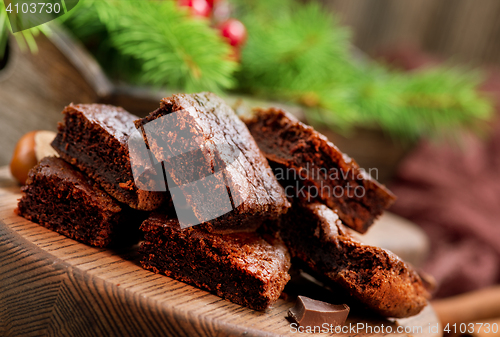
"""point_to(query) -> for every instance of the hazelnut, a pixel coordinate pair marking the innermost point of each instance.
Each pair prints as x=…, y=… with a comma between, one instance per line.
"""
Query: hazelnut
x=30, y=149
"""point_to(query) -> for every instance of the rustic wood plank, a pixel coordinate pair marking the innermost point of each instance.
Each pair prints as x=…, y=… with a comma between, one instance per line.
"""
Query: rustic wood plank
x=52, y=285
x=464, y=30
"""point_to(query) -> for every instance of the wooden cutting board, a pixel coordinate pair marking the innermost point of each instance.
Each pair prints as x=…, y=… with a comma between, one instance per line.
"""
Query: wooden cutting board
x=52, y=285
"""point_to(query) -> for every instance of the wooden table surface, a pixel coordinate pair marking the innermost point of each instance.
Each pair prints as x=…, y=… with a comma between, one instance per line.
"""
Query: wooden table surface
x=52, y=285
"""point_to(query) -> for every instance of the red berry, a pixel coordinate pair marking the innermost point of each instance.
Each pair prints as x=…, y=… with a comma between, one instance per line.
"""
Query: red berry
x=212, y=3
x=197, y=7
x=234, y=31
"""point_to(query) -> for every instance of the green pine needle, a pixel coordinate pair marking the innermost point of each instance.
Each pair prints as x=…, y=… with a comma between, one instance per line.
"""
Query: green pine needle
x=284, y=52
x=25, y=39
x=4, y=29
x=160, y=42
x=298, y=52
x=295, y=52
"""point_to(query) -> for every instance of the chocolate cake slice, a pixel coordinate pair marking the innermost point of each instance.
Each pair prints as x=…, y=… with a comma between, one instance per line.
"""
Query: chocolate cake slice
x=376, y=277
x=241, y=267
x=62, y=199
x=94, y=137
x=313, y=169
x=216, y=174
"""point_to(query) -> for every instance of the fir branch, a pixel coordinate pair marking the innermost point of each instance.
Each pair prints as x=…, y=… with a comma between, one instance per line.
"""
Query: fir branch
x=298, y=52
x=295, y=51
x=170, y=48
x=434, y=103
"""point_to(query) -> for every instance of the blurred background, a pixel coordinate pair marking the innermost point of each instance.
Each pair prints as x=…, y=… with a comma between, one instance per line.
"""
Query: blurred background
x=462, y=30
x=411, y=88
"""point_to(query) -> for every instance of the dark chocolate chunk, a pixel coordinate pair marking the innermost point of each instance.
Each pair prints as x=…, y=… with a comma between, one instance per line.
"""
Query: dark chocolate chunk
x=94, y=138
x=309, y=312
x=313, y=169
x=212, y=164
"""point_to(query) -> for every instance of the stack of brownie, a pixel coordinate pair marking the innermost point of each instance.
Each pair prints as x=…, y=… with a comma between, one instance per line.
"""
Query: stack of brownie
x=224, y=255
x=240, y=200
x=332, y=197
x=88, y=193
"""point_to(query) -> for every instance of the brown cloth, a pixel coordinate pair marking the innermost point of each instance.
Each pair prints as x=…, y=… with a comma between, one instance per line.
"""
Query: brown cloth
x=455, y=198
x=454, y=195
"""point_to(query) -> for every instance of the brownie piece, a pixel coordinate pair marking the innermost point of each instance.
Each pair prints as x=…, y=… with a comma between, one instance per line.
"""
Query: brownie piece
x=241, y=267
x=216, y=174
x=94, y=138
x=62, y=199
x=312, y=168
x=376, y=277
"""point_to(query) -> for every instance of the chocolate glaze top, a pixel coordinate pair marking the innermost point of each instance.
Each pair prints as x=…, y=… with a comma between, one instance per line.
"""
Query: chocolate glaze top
x=292, y=146
x=211, y=120
x=115, y=120
x=203, y=120
x=345, y=163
